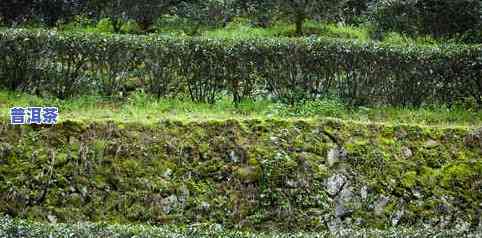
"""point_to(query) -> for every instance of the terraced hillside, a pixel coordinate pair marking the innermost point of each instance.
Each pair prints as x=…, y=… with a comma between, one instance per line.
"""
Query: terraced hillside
x=240, y=119
x=290, y=175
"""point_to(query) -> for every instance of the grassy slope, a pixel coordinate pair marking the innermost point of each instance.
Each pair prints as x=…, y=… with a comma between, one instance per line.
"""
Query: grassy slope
x=142, y=108
x=98, y=168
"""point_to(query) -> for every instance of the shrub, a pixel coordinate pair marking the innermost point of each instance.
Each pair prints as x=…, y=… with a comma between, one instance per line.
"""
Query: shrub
x=131, y=27
x=20, y=228
x=105, y=25
x=288, y=70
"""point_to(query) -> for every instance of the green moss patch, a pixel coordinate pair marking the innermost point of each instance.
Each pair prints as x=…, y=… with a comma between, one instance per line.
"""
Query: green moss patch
x=253, y=174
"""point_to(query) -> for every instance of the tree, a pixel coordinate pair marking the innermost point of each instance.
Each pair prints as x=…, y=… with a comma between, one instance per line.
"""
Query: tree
x=51, y=11
x=145, y=12
x=439, y=18
x=48, y=12
x=299, y=11
x=353, y=10
x=260, y=11
x=15, y=11
x=206, y=12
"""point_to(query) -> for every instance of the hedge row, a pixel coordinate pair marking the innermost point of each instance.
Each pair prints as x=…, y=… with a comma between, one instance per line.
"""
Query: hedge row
x=17, y=228
x=291, y=70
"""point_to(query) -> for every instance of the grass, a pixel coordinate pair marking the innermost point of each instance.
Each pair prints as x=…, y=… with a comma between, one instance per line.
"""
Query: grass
x=139, y=107
x=242, y=28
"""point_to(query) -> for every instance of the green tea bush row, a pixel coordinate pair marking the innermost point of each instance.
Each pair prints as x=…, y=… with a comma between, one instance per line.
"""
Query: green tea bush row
x=17, y=228
x=289, y=70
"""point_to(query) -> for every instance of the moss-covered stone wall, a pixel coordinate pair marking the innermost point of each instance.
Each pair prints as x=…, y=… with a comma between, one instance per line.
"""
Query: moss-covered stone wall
x=288, y=175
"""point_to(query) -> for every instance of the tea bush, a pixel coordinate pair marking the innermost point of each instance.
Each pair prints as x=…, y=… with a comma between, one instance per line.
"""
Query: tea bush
x=17, y=228
x=288, y=70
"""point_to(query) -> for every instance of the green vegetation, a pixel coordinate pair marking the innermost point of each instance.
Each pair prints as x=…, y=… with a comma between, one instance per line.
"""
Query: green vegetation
x=242, y=29
x=254, y=174
x=139, y=107
x=14, y=228
x=442, y=19
x=205, y=70
x=242, y=118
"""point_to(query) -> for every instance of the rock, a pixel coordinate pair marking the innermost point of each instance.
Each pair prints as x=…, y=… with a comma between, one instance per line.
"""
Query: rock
x=51, y=218
x=217, y=227
x=380, y=205
x=205, y=206
x=364, y=192
x=335, y=155
x=170, y=203
x=334, y=225
x=75, y=200
x=83, y=191
x=274, y=140
x=183, y=193
x=344, y=202
x=401, y=134
x=335, y=183
x=417, y=194
x=5, y=150
x=445, y=221
x=332, y=157
x=315, y=212
x=461, y=224
x=71, y=189
x=233, y=157
x=346, y=195
x=474, y=139
x=290, y=183
x=480, y=218
x=359, y=222
x=397, y=216
x=167, y=173
x=431, y=143
x=443, y=208
x=407, y=153
x=341, y=211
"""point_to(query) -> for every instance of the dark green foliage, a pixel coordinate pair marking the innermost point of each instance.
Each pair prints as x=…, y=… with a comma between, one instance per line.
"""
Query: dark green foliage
x=211, y=13
x=290, y=70
x=298, y=11
x=145, y=12
x=260, y=12
x=14, y=11
x=440, y=18
x=353, y=11
x=48, y=12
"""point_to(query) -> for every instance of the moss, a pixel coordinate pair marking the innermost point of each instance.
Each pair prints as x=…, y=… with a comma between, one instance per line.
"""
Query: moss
x=249, y=174
x=458, y=175
x=253, y=162
x=125, y=172
x=428, y=177
x=409, y=179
